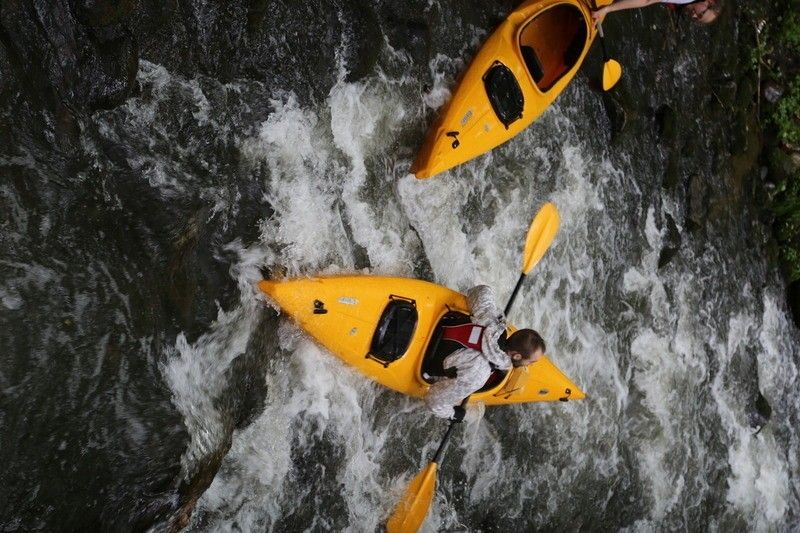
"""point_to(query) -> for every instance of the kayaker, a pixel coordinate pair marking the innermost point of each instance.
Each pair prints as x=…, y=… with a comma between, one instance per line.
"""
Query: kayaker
x=486, y=348
x=702, y=11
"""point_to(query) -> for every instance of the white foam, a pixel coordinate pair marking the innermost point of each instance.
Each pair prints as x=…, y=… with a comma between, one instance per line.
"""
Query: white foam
x=311, y=395
x=196, y=375
x=331, y=179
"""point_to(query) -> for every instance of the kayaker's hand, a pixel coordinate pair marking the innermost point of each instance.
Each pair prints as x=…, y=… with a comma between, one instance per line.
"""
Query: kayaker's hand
x=458, y=413
x=599, y=15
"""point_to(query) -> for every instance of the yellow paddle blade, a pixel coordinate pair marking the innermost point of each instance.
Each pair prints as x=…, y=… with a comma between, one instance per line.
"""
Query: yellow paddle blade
x=410, y=513
x=540, y=235
x=612, y=72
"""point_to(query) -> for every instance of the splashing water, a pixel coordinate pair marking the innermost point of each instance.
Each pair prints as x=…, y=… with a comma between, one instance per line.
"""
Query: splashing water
x=663, y=439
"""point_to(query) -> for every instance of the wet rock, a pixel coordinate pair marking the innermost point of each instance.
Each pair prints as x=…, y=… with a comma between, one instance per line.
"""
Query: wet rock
x=182, y=287
x=617, y=114
x=743, y=164
x=672, y=243
x=664, y=123
x=771, y=91
x=198, y=283
x=256, y=10
x=69, y=61
x=793, y=294
x=110, y=75
x=422, y=265
x=672, y=170
x=100, y=13
x=666, y=255
x=244, y=399
x=239, y=404
x=412, y=36
x=364, y=32
x=664, y=118
x=156, y=23
x=725, y=93
x=745, y=138
x=783, y=165
x=761, y=413
x=697, y=202
x=67, y=127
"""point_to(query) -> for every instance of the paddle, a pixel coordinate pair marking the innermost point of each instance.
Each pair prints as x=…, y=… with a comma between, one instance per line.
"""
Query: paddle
x=612, y=70
x=540, y=235
x=415, y=503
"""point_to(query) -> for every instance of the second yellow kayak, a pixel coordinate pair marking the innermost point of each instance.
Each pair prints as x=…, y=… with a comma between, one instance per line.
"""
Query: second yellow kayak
x=519, y=71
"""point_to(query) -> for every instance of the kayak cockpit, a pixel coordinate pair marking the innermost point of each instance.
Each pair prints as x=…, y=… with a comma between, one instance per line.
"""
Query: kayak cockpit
x=552, y=42
x=394, y=331
x=504, y=93
x=439, y=348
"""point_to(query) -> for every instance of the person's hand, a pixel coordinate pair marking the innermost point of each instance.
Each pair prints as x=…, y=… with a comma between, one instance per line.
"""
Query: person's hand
x=458, y=413
x=599, y=15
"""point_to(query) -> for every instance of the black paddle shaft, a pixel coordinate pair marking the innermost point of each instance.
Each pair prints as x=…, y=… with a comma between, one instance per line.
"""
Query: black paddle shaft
x=600, y=32
x=443, y=445
x=602, y=42
x=440, y=451
x=514, y=294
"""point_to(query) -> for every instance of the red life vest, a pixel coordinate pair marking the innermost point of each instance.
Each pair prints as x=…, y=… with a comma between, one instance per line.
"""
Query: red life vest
x=467, y=335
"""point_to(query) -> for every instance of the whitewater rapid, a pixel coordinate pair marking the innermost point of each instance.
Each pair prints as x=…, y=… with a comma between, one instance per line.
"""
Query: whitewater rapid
x=663, y=439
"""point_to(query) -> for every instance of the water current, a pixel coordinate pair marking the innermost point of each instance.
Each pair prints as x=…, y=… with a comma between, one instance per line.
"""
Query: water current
x=140, y=362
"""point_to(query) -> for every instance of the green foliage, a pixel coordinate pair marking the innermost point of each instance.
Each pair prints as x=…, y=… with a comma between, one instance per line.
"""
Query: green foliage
x=762, y=49
x=791, y=260
x=776, y=55
x=786, y=206
x=790, y=31
x=787, y=114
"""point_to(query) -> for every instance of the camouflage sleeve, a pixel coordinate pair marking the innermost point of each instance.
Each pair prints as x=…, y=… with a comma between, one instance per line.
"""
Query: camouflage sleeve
x=482, y=306
x=472, y=372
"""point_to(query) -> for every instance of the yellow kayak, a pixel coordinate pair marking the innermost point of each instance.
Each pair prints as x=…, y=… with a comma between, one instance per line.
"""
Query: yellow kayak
x=390, y=330
x=523, y=66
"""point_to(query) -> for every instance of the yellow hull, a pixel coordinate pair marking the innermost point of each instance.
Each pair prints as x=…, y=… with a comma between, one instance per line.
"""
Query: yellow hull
x=557, y=33
x=342, y=313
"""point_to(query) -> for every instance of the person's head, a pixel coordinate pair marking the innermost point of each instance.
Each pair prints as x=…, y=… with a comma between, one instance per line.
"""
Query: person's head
x=704, y=11
x=524, y=346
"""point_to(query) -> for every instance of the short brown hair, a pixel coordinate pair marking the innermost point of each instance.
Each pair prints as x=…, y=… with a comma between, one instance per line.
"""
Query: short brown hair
x=525, y=342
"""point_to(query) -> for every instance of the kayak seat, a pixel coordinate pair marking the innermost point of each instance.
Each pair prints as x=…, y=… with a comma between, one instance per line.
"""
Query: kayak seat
x=533, y=63
x=394, y=331
x=575, y=48
x=504, y=93
x=439, y=349
x=551, y=44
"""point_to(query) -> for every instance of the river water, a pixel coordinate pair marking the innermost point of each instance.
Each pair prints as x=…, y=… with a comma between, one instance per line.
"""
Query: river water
x=145, y=383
